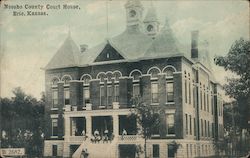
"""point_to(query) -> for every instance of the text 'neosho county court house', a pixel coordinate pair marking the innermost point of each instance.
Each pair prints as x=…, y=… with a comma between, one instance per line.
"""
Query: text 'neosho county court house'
x=89, y=93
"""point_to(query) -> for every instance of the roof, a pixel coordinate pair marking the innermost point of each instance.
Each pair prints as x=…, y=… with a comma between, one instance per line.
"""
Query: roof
x=132, y=44
x=66, y=56
x=164, y=44
x=151, y=15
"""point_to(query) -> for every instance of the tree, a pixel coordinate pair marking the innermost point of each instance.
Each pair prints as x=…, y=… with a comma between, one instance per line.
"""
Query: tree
x=238, y=61
x=148, y=118
x=22, y=122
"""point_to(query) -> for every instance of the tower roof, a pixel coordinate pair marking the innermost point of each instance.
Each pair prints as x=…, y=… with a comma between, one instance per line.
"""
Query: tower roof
x=133, y=3
x=151, y=15
x=164, y=44
x=66, y=56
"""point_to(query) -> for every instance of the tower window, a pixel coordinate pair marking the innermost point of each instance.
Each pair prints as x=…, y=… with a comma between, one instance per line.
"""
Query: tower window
x=150, y=28
x=132, y=13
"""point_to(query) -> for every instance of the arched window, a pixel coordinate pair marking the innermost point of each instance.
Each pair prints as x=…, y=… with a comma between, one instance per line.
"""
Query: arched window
x=55, y=92
x=109, y=76
x=136, y=75
x=66, y=79
x=55, y=81
x=101, y=76
x=86, y=79
x=169, y=70
x=154, y=71
x=117, y=75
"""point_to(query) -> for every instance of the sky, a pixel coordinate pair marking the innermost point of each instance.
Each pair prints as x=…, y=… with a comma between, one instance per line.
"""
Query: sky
x=29, y=42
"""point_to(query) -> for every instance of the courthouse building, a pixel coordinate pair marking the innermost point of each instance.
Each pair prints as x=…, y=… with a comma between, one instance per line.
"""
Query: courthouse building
x=90, y=91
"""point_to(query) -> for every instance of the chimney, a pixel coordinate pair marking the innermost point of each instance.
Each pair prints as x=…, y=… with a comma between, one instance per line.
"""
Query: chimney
x=194, y=44
x=83, y=48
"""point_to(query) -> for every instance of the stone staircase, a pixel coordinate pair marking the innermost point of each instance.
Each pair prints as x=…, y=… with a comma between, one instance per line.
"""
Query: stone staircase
x=97, y=150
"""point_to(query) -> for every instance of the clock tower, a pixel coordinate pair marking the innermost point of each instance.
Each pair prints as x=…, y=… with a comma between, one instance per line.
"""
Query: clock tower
x=134, y=12
x=151, y=22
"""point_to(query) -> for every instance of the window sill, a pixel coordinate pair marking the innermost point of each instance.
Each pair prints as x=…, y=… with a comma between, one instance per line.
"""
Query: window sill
x=155, y=104
x=53, y=136
x=54, y=109
x=170, y=135
x=170, y=103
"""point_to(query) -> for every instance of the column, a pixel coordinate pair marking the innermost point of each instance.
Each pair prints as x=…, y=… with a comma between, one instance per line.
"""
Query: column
x=67, y=126
x=116, y=125
x=178, y=104
x=88, y=126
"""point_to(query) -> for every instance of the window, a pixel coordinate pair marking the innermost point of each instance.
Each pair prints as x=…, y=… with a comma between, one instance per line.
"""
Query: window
x=86, y=95
x=169, y=71
x=212, y=103
x=205, y=131
x=191, y=150
x=154, y=72
x=102, y=96
x=194, y=127
x=189, y=92
x=201, y=96
x=207, y=102
x=86, y=79
x=136, y=90
x=194, y=95
x=54, y=127
x=117, y=75
x=154, y=92
x=66, y=80
x=186, y=119
x=101, y=76
x=54, y=150
x=55, y=98
x=190, y=124
x=156, y=151
x=170, y=91
x=213, y=134
x=66, y=96
x=170, y=124
x=185, y=90
x=208, y=128
x=116, y=99
x=55, y=81
x=202, y=131
x=204, y=96
x=109, y=76
x=109, y=94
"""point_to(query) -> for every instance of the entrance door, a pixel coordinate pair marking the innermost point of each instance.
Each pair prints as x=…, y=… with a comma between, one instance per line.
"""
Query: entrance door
x=127, y=151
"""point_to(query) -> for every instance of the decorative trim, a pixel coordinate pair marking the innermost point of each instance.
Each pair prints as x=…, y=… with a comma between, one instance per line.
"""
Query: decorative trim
x=135, y=70
x=84, y=76
x=53, y=116
x=178, y=72
x=169, y=66
x=154, y=67
x=66, y=76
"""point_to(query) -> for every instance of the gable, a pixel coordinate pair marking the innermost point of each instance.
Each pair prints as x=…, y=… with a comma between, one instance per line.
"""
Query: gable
x=108, y=53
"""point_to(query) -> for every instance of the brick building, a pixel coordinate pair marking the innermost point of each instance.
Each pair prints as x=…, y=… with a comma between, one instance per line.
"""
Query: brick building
x=89, y=93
